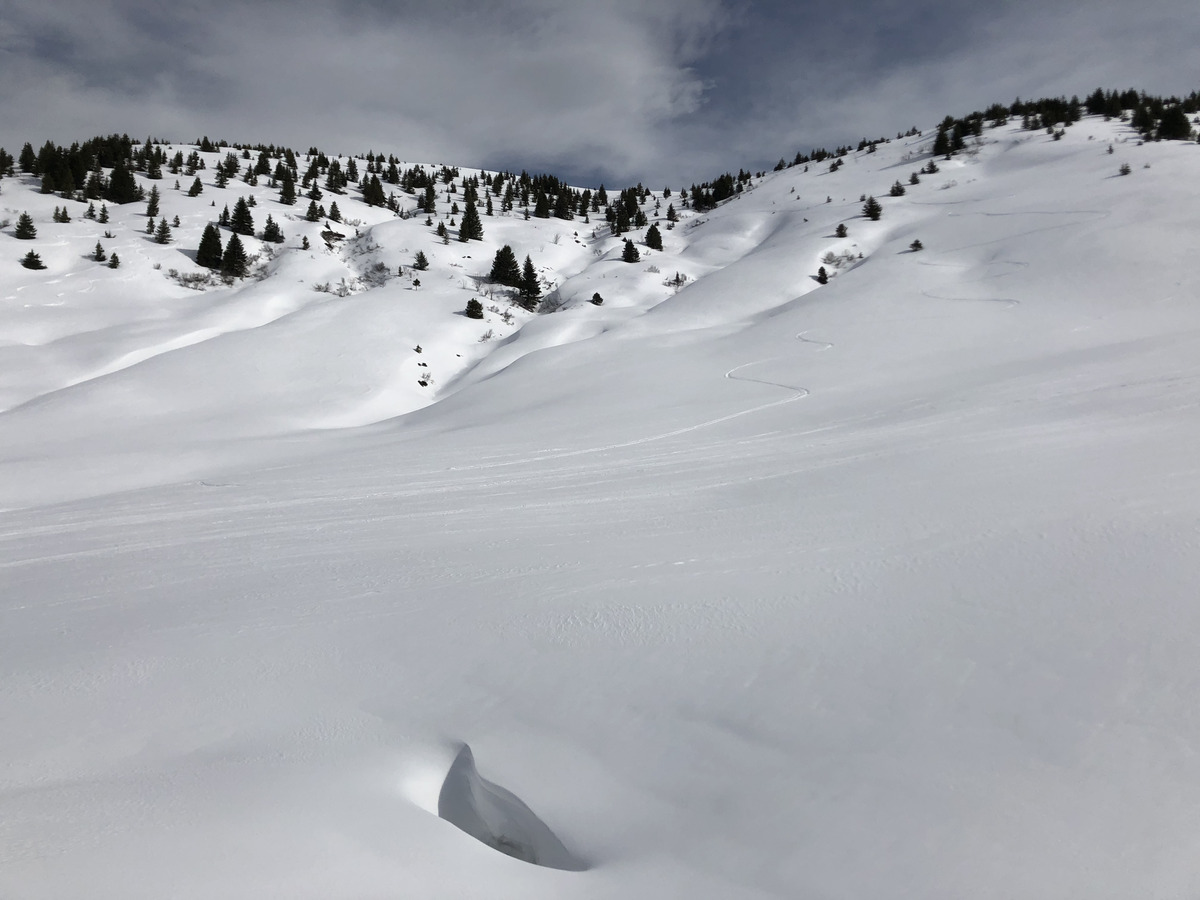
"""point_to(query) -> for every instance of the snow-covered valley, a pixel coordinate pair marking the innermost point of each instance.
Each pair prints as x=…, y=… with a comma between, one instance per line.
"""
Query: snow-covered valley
x=751, y=587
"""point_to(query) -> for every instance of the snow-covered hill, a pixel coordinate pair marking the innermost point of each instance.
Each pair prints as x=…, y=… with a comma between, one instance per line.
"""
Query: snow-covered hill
x=749, y=587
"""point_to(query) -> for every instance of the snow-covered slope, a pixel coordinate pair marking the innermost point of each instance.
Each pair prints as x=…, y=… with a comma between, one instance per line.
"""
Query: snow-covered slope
x=753, y=588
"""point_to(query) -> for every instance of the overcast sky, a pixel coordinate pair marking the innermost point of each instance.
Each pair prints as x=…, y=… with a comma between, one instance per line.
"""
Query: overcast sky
x=665, y=92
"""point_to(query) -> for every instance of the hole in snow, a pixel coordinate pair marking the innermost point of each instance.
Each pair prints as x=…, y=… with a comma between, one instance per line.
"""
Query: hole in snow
x=499, y=818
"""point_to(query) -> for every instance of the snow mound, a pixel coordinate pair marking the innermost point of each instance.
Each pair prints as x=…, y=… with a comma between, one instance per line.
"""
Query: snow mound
x=499, y=818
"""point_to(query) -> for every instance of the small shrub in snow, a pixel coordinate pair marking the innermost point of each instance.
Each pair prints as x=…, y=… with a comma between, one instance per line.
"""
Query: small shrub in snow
x=596, y=300
x=1125, y=169
x=841, y=231
x=377, y=274
x=915, y=246
x=474, y=309
x=822, y=276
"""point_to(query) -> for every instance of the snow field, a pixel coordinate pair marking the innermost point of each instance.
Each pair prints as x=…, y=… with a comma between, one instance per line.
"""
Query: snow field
x=753, y=589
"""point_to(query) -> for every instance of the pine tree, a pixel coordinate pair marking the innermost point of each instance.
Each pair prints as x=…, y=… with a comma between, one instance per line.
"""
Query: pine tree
x=897, y=190
x=471, y=228
x=531, y=289
x=841, y=231
x=372, y=191
x=441, y=230
x=209, y=253
x=1174, y=125
x=822, y=276
x=152, y=202
x=28, y=159
x=196, y=189
x=91, y=211
x=31, y=260
x=505, y=268
x=103, y=219
x=25, y=230
x=872, y=210
x=334, y=212
x=312, y=214
x=272, y=232
x=221, y=179
x=121, y=185
x=630, y=254
x=562, y=205
x=233, y=262
x=114, y=261
x=287, y=189
x=163, y=233
x=242, y=222
x=474, y=309
x=421, y=263
x=98, y=255
x=654, y=238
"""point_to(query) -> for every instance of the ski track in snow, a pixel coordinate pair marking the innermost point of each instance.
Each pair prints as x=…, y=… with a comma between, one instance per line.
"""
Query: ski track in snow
x=1008, y=302
x=798, y=393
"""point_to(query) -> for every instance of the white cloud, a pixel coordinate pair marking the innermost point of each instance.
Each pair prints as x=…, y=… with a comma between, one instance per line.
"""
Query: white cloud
x=459, y=84
x=662, y=91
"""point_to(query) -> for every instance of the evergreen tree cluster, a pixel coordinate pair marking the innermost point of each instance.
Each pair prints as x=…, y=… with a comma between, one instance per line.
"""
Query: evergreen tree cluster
x=107, y=169
x=507, y=272
x=231, y=261
x=708, y=195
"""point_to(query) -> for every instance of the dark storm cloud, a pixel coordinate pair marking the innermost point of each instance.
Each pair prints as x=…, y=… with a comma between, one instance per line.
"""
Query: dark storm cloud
x=660, y=91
